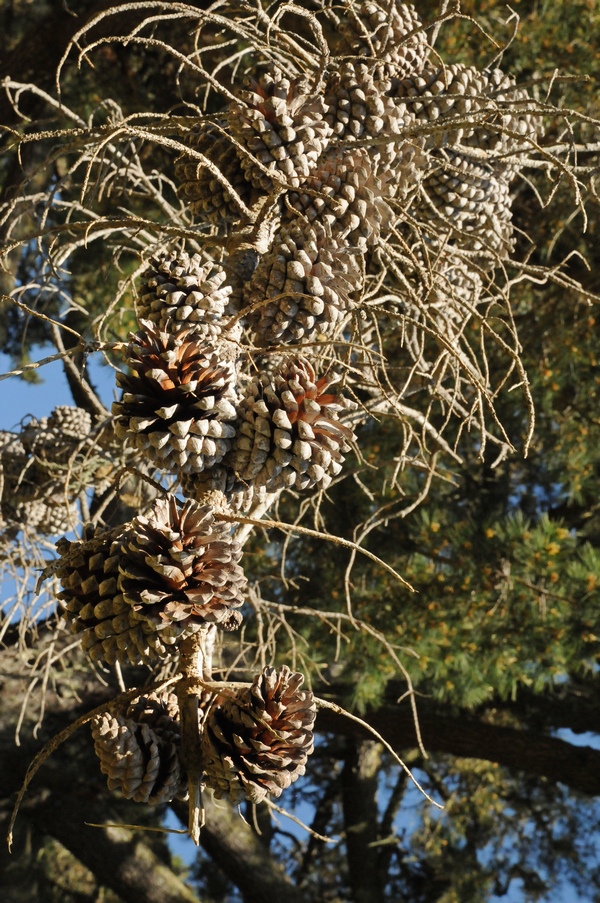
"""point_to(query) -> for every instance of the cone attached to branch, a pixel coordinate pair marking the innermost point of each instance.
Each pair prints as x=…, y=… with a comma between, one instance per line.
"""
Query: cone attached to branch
x=390, y=33
x=281, y=124
x=208, y=193
x=139, y=750
x=94, y=606
x=138, y=590
x=468, y=197
x=501, y=114
x=344, y=194
x=303, y=285
x=179, y=570
x=177, y=403
x=179, y=292
x=256, y=740
x=290, y=434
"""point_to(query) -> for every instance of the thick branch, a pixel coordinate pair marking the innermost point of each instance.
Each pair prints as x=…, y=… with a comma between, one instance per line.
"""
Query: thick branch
x=536, y=754
x=118, y=858
x=242, y=857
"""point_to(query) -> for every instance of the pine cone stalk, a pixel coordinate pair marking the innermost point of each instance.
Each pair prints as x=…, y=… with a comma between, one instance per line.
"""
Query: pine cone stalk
x=195, y=664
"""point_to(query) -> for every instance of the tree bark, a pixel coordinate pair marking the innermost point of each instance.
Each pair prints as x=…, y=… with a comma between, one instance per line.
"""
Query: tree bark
x=116, y=856
x=578, y=767
x=237, y=850
x=359, y=799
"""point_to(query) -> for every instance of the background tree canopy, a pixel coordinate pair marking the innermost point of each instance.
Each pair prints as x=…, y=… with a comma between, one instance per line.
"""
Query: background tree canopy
x=351, y=207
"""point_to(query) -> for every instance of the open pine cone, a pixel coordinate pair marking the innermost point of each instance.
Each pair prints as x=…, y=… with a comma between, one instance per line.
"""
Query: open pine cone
x=290, y=434
x=256, y=741
x=94, y=606
x=179, y=570
x=177, y=402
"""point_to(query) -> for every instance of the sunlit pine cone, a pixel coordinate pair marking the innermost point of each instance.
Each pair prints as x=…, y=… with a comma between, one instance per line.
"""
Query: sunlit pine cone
x=206, y=195
x=502, y=113
x=281, y=123
x=177, y=402
x=290, y=434
x=468, y=197
x=359, y=109
x=303, y=285
x=389, y=34
x=94, y=606
x=179, y=569
x=256, y=740
x=344, y=194
x=179, y=292
x=139, y=751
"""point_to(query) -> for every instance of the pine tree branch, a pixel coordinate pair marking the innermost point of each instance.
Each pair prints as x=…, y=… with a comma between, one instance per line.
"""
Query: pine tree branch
x=462, y=735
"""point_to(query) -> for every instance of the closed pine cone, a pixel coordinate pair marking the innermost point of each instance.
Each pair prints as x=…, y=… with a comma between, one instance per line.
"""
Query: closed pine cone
x=468, y=197
x=280, y=122
x=502, y=112
x=389, y=33
x=179, y=569
x=302, y=285
x=290, y=434
x=256, y=740
x=177, y=402
x=207, y=196
x=344, y=194
x=139, y=751
x=179, y=292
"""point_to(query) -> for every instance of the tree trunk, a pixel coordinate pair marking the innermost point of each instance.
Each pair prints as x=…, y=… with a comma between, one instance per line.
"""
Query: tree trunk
x=359, y=798
x=238, y=851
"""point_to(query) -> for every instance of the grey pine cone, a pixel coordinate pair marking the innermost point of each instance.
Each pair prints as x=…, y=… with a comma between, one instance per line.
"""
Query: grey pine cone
x=139, y=751
x=179, y=292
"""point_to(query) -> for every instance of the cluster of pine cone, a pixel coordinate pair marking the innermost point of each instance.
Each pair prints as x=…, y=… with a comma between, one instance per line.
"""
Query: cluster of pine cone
x=255, y=742
x=227, y=387
x=45, y=466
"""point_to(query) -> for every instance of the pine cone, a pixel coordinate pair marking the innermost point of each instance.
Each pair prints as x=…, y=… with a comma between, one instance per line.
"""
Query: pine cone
x=94, y=606
x=359, y=109
x=49, y=514
x=281, y=123
x=498, y=107
x=389, y=34
x=256, y=742
x=207, y=196
x=139, y=751
x=178, y=292
x=179, y=569
x=303, y=285
x=177, y=402
x=290, y=434
x=345, y=196
x=467, y=196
